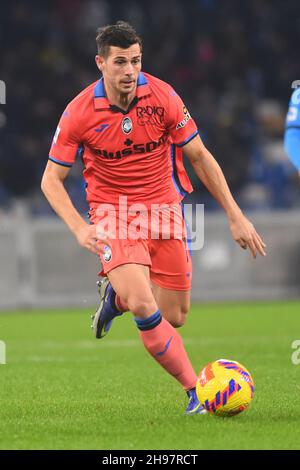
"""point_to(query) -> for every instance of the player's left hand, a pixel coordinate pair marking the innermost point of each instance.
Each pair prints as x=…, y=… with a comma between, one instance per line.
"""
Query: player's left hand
x=244, y=233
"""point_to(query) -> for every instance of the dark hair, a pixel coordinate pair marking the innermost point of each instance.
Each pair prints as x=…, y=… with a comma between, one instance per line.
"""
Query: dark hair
x=121, y=34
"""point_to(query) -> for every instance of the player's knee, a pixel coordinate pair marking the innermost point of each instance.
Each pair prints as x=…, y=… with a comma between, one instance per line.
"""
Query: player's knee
x=141, y=307
x=177, y=322
x=184, y=310
x=177, y=318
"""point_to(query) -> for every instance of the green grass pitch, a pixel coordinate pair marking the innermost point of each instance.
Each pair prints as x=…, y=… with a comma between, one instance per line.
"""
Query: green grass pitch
x=62, y=389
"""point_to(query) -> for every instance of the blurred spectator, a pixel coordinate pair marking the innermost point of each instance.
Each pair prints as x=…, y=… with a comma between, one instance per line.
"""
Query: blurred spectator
x=232, y=62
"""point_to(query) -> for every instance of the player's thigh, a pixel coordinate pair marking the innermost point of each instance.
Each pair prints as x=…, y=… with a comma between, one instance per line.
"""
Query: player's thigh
x=132, y=283
x=171, y=277
x=173, y=304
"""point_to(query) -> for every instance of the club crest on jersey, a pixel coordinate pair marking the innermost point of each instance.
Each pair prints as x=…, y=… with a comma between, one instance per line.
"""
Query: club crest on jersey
x=127, y=125
x=107, y=253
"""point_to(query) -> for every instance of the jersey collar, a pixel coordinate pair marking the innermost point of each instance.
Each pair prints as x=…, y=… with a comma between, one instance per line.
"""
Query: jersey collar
x=101, y=101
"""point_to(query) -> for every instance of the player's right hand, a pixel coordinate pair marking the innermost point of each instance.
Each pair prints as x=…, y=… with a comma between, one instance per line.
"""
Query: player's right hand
x=92, y=238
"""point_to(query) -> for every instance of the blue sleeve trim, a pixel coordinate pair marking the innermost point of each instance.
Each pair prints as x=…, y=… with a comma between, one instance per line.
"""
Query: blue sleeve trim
x=59, y=162
x=186, y=141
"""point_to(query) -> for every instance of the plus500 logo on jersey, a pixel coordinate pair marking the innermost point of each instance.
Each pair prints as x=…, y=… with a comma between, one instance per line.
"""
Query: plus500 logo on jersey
x=132, y=150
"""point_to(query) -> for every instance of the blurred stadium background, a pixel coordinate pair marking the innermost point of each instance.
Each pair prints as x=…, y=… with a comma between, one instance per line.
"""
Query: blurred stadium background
x=232, y=62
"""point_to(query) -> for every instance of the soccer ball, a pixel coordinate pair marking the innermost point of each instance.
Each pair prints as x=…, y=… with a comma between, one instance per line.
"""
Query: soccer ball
x=225, y=388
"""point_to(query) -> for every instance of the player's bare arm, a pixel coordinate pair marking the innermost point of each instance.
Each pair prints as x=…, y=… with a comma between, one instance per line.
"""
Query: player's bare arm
x=210, y=173
x=55, y=192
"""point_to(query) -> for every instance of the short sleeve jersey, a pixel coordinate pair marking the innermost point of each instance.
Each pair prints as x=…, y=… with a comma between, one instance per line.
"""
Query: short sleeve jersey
x=135, y=153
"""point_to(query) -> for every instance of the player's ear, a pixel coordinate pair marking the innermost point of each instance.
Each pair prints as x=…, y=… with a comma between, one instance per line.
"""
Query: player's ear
x=99, y=61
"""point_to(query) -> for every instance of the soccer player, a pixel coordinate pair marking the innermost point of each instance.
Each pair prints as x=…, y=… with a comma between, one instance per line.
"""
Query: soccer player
x=130, y=129
x=292, y=130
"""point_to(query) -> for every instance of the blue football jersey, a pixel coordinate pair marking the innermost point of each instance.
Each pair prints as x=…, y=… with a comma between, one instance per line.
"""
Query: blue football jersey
x=293, y=115
x=292, y=129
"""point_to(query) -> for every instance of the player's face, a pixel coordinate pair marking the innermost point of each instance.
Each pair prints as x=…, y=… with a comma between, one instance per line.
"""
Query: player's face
x=121, y=68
